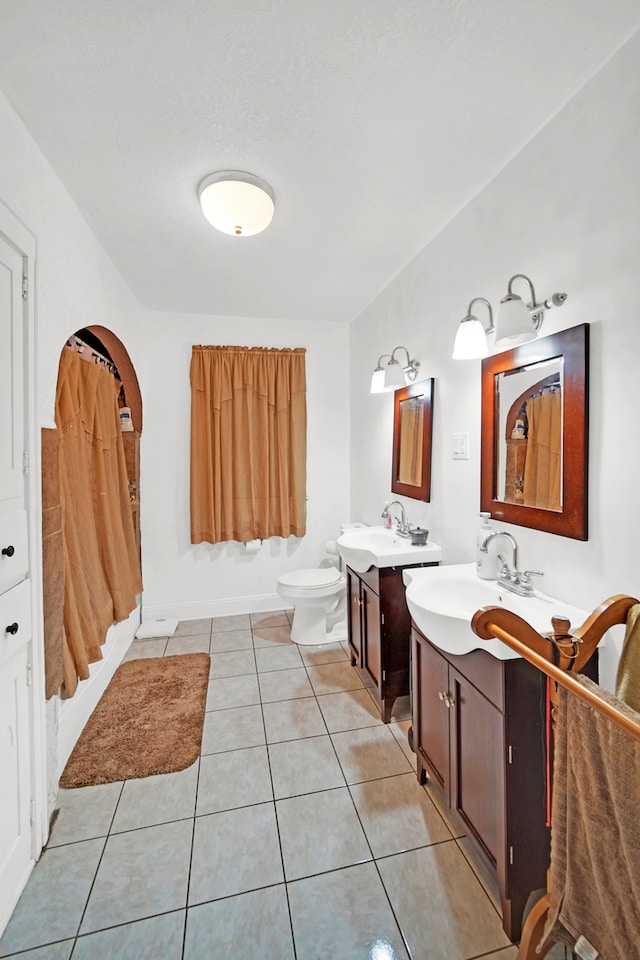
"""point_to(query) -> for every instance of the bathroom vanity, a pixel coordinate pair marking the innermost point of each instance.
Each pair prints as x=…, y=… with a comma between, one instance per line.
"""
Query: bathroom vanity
x=479, y=735
x=379, y=628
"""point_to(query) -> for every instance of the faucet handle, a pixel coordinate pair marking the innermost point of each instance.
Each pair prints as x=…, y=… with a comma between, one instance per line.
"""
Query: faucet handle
x=532, y=573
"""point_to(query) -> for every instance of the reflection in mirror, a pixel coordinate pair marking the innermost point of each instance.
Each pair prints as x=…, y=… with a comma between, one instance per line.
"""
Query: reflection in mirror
x=534, y=434
x=529, y=456
x=412, y=427
x=411, y=423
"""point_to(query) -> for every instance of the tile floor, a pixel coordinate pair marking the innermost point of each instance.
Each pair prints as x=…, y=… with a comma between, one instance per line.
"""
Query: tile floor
x=300, y=834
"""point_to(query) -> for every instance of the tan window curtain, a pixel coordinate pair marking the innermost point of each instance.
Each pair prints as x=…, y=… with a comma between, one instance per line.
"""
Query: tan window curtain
x=248, y=443
x=101, y=565
x=542, y=466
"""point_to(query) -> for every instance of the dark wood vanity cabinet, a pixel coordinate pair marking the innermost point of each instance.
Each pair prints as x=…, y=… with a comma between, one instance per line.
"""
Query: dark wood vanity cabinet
x=479, y=734
x=379, y=627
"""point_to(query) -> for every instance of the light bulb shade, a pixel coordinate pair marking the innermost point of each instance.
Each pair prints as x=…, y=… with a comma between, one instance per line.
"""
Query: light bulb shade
x=394, y=376
x=377, y=381
x=471, y=340
x=514, y=324
x=236, y=203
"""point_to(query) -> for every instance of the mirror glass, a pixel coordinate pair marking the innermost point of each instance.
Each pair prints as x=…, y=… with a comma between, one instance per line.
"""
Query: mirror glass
x=529, y=455
x=534, y=434
x=412, y=428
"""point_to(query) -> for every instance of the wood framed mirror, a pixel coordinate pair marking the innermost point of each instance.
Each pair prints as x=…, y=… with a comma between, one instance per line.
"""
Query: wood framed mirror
x=412, y=431
x=535, y=434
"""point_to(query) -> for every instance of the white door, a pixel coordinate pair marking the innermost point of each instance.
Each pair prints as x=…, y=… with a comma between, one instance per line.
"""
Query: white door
x=16, y=739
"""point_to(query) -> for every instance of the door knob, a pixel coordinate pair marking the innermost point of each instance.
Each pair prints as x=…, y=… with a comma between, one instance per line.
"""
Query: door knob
x=8, y=551
x=12, y=628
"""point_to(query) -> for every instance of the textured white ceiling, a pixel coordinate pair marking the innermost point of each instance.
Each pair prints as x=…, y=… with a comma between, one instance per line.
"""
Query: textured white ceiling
x=374, y=121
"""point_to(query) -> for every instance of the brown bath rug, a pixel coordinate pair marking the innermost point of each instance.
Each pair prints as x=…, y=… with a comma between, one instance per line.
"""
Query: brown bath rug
x=149, y=720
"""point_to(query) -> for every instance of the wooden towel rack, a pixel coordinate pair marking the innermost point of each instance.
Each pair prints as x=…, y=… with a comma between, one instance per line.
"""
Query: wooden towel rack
x=559, y=660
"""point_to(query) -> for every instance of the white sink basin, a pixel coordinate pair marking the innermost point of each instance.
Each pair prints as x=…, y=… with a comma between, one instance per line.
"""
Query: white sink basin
x=443, y=600
x=369, y=547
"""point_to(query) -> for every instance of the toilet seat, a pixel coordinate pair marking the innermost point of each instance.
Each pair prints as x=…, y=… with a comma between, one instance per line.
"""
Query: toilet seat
x=317, y=579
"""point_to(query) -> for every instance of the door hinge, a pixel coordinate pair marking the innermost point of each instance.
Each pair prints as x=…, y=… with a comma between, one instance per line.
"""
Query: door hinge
x=509, y=754
x=384, y=674
x=25, y=461
x=29, y=675
x=511, y=856
x=382, y=618
x=25, y=287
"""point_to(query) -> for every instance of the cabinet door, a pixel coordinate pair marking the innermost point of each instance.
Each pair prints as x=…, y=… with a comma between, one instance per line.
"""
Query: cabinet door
x=371, y=637
x=477, y=763
x=430, y=714
x=353, y=617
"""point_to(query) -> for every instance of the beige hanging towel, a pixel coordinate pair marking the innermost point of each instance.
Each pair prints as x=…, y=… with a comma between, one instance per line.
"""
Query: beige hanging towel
x=628, y=676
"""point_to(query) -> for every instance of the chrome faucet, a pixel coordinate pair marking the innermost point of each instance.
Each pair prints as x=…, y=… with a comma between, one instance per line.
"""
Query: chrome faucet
x=511, y=579
x=402, y=527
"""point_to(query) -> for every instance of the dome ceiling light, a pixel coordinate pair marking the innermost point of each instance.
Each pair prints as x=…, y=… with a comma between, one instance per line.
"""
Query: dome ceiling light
x=236, y=203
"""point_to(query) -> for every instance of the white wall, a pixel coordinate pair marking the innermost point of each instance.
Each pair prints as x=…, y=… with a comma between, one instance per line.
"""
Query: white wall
x=189, y=581
x=565, y=211
x=76, y=285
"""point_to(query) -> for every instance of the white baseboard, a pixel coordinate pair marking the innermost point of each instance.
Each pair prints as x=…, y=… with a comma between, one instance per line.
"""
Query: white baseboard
x=200, y=609
x=75, y=711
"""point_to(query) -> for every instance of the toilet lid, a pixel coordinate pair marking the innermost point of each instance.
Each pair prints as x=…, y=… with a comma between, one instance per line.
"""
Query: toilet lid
x=321, y=577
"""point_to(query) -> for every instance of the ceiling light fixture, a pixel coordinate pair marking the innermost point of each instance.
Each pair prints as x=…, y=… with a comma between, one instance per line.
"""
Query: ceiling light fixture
x=393, y=374
x=517, y=321
x=236, y=203
x=471, y=338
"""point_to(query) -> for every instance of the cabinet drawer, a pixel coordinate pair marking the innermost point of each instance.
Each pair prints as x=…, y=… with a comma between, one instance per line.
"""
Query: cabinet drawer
x=15, y=608
x=14, y=562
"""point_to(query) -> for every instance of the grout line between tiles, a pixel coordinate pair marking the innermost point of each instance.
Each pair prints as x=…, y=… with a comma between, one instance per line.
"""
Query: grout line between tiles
x=275, y=812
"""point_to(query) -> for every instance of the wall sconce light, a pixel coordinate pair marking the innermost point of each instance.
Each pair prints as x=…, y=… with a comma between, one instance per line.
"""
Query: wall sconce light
x=517, y=321
x=393, y=374
x=471, y=338
x=237, y=203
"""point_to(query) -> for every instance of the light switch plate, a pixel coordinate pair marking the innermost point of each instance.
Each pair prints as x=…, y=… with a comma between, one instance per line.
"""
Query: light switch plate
x=459, y=446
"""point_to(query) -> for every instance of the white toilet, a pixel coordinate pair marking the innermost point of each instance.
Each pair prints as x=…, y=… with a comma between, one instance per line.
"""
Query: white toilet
x=319, y=599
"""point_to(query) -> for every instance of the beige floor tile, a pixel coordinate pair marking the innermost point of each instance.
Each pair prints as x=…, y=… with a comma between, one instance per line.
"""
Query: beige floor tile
x=304, y=766
x=141, y=649
x=434, y=889
x=369, y=754
x=319, y=832
x=188, y=644
x=84, y=813
x=158, y=799
x=344, y=915
x=486, y=876
x=233, y=664
x=285, y=685
x=234, y=852
x=146, y=939
x=277, y=636
x=511, y=953
x=190, y=627
x=293, y=720
x=231, y=640
x=348, y=711
x=237, y=778
x=232, y=729
x=249, y=926
x=233, y=692
x=277, y=658
x=334, y=678
x=324, y=653
x=397, y=815
x=238, y=621
x=273, y=618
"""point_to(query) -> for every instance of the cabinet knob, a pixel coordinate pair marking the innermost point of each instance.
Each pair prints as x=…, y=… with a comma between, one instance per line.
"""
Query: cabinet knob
x=12, y=628
x=442, y=694
x=8, y=551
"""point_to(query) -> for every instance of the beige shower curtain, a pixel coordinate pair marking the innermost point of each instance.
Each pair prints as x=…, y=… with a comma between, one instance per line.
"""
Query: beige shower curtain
x=248, y=443
x=411, y=434
x=101, y=564
x=543, y=464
